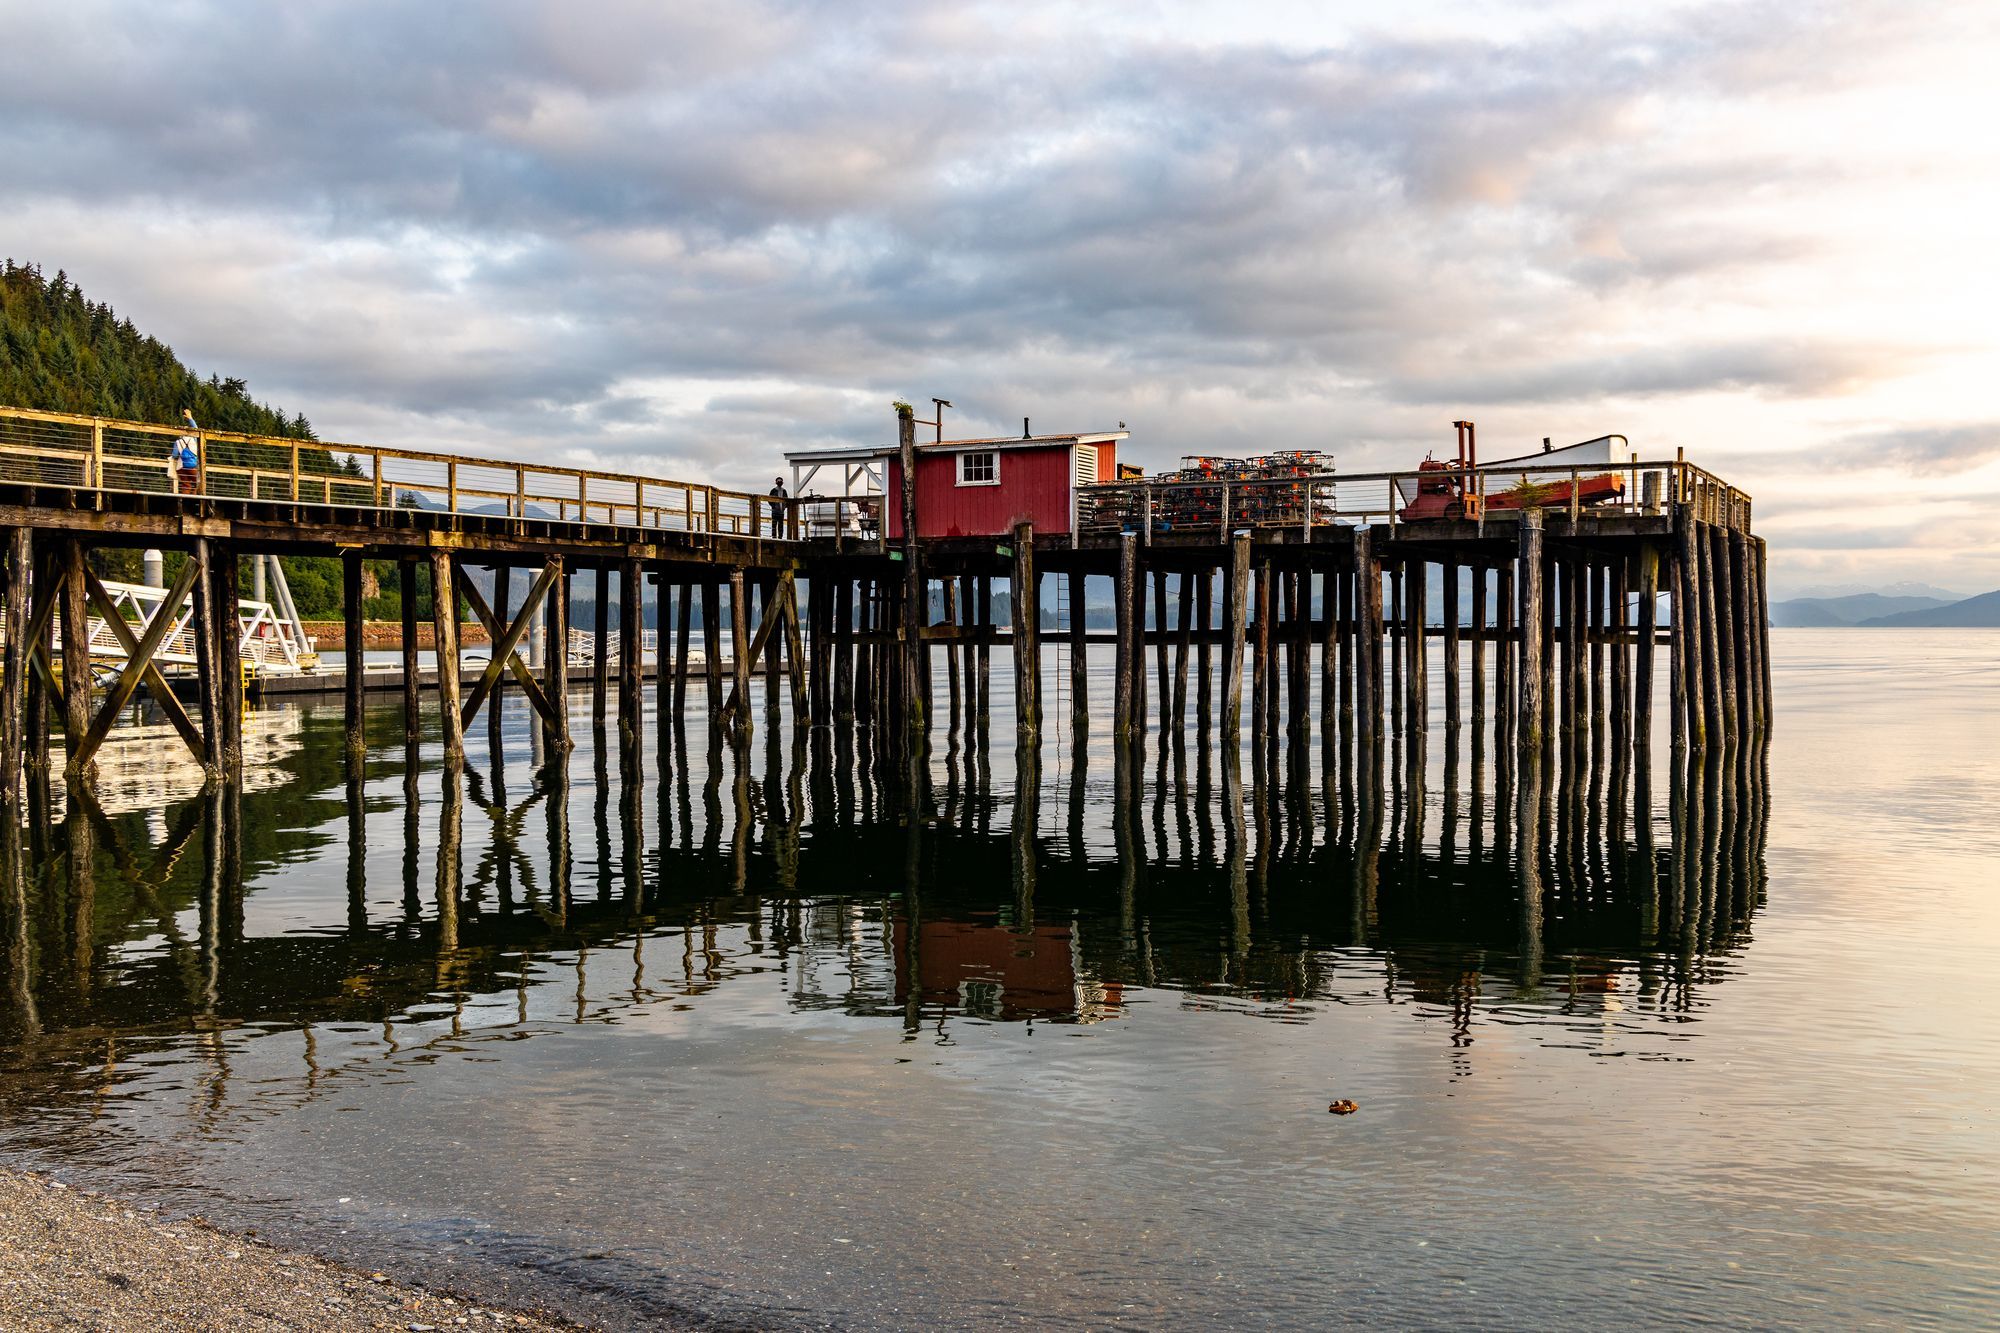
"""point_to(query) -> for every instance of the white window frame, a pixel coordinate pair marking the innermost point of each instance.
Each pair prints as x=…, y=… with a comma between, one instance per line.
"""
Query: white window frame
x=993, y=454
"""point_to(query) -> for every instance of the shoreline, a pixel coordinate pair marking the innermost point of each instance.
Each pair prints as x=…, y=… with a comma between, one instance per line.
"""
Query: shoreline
x=72, y=1257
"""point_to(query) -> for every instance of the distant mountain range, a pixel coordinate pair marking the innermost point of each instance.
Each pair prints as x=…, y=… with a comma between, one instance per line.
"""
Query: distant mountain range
x=1981, y=612
x=1899, y=607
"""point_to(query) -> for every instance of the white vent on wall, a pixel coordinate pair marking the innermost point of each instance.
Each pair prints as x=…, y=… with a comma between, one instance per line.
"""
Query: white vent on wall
x=1086, y=464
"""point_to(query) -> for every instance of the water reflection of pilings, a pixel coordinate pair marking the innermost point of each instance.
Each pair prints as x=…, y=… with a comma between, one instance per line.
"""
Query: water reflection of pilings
x=1501, y=876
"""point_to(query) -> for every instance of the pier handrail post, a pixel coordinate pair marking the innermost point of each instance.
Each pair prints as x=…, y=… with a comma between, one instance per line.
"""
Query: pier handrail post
x=97, y=452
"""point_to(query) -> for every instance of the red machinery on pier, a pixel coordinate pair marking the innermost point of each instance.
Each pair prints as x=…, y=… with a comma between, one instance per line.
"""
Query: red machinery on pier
x=1452, y=490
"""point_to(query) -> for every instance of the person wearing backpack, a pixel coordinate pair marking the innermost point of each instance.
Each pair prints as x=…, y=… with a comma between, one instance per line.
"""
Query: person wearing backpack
x=187, y=458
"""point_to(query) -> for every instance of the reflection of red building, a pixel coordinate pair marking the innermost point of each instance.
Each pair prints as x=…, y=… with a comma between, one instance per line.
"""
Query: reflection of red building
x=996, y=972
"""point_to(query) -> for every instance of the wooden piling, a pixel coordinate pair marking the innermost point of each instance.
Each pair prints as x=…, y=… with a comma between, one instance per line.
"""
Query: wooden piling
x=1027, y=639
x=1531, y=721
x=1183, y=631
x=1597, y=589
x=683, y=635
x=1298, y=651
x=76, y=662
x=795, y=658
x=354, y=660
x=42, y=600
x=1621, y=655
x=1550, y=700
x=1505, y=706
x=1398, y=628
x=1368, y=637
x=1480, y=630
x=1235, y=595
x=968, y=646
x=1260, y=658
x=444, y=618
x=1762, y=628
x=1329, y=640
x=948, y=589
x=1642, y=676
x=711, y=651
x=983, y=694
x=820, y=609
x=1722, y=592
x=1568, y=592
x=843, y=648
x=1683, y=690
x=600, y=637
x=1204, y=690
x=1711, y=633
x=1741, y=610
x=1343, y=614
x=503, y=613
x=1417, y=598
x=664, y=672
x=631, y=644
x=1126, y=664
x=227, y=744
x=20, y=569
x=739, y=651
x=207, y=671
x=1449, y=646
x=413, y=701
x=1079, y=658
x=864, y=651
x=775, y=655
x=555, y=661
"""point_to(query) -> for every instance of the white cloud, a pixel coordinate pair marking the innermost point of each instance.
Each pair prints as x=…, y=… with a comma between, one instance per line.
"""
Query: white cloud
x=691, y=238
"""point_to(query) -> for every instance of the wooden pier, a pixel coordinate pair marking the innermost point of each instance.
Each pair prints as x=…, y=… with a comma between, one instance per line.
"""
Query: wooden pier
x=1545, y=630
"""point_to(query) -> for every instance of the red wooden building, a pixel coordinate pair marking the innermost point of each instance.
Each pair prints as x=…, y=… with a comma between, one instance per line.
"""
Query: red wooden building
x=973, y=488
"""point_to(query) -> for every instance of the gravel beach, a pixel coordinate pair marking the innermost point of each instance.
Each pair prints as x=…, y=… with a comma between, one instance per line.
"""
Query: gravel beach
x=73, y=1259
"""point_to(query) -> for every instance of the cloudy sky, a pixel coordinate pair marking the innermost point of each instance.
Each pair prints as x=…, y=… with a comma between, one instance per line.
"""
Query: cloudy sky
x=682, y=238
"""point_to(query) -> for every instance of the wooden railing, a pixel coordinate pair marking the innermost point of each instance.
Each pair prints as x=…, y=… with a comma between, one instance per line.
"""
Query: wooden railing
x=98, y=453
x=1217, y=508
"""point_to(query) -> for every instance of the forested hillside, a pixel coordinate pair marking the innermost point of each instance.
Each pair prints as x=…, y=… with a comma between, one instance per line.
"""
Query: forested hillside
x=62, y=352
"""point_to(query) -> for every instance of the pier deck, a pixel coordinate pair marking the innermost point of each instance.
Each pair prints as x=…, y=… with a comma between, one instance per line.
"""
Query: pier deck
x=1556, y=604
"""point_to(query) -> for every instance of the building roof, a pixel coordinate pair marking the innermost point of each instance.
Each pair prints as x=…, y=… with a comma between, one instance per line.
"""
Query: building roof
x=860, y=452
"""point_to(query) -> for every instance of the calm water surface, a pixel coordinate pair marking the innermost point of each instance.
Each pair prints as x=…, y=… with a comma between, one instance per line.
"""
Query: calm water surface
x=745, y=1043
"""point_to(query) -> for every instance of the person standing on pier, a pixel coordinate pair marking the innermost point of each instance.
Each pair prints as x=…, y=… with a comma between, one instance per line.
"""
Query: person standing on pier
x=778, y=497
x=187, y=458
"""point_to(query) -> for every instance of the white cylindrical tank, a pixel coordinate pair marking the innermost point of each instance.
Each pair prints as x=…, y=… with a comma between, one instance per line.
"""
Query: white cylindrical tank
x=155, y=566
